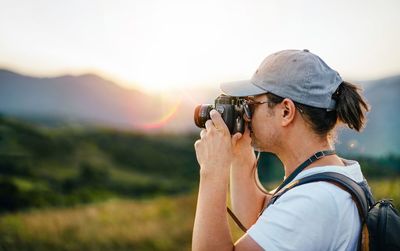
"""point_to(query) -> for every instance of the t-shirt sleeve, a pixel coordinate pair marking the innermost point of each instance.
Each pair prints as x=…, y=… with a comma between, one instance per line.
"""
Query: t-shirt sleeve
x=301, y=219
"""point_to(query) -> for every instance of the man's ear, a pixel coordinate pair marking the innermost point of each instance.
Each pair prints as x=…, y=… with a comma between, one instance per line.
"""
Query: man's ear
x=288, y=111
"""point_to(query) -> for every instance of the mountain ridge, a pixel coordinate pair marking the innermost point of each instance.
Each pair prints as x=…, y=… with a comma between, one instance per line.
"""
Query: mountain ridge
x=93, y=100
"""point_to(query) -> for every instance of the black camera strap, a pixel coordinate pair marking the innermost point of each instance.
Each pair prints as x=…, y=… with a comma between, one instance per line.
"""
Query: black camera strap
x=313, y=158
x=316, y=156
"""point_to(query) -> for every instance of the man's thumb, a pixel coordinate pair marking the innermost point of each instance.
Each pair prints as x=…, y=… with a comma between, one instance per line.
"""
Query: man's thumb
x=236, y=137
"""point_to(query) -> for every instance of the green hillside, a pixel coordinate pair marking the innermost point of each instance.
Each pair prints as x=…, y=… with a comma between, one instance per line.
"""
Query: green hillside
x=99, y=189
x=63, y=167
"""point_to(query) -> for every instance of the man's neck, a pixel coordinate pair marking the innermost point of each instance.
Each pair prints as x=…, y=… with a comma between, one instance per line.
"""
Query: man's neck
x=295, y=154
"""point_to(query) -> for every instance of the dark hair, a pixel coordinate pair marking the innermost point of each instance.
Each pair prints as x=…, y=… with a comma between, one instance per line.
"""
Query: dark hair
x=350, y=109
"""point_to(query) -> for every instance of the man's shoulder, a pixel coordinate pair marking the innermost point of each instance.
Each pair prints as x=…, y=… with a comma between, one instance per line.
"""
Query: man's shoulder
x=321, y=193
x=308, y=212
x=313, y=216
x=351, y=169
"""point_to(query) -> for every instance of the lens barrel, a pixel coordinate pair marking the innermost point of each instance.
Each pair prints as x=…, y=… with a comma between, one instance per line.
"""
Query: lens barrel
x=202, y=114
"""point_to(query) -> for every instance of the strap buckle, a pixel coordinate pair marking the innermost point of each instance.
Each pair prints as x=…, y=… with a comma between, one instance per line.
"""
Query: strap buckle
x=319, y=155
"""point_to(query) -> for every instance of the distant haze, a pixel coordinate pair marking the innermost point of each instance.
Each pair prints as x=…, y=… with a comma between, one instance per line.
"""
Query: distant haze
x=89, y=100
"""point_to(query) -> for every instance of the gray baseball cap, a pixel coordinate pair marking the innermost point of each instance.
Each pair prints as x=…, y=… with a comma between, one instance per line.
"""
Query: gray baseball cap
x=296, y=74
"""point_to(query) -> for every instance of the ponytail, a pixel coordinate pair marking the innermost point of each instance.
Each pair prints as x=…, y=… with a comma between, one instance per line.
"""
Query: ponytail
x=350, y=109
x=350, y=106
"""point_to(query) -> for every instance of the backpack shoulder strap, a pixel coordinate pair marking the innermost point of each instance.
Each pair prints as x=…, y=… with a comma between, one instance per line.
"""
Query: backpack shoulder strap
x=353, y=188
x=338, y=179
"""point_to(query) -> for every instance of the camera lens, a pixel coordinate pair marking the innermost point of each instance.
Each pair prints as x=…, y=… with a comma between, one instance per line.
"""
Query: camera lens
x=202, y=114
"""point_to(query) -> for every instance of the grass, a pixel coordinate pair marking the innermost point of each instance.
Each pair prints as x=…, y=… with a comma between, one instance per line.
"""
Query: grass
x=390, y=188
x=162, y=223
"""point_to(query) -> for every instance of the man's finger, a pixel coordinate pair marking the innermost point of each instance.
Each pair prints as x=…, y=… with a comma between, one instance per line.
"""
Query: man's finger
x=209, y=125
x=246, y=131
x=236, y=137
x=197, y=144
x=217, y=120
x=203, y=133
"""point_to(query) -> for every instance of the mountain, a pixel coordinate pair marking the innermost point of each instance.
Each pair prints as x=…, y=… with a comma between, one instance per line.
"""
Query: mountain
x=90, y=99
x=381, y=134
x=87, y=99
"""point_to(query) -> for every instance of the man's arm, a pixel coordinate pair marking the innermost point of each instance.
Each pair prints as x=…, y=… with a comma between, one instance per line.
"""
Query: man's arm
x=246, y=198
x=214, y=154
x=211, y=229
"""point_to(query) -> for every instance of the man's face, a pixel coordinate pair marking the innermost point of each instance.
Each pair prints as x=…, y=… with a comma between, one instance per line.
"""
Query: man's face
x=265, y=132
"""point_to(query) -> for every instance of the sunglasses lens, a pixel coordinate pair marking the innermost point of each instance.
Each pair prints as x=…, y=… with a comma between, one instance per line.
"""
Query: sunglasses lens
x=252, y=108
x=247, y=110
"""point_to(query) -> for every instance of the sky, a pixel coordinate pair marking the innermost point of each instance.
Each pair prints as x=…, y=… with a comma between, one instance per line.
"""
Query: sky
x=159, y=46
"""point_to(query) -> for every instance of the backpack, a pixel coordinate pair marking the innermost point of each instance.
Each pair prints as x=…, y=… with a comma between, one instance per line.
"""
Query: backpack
x=380, y=221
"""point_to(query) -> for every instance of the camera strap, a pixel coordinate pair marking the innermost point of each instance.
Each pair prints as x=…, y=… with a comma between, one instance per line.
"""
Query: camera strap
x=313, y=158
x=316, y=156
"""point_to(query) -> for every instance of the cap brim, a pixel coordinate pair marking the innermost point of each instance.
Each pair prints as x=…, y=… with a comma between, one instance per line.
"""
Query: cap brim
x=242, y=88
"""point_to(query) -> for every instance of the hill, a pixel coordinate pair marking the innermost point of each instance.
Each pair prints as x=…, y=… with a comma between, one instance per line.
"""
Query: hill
x=53, y=167
x=91, y=100
x=86, y=100
x=42, y=167
x=380, y=136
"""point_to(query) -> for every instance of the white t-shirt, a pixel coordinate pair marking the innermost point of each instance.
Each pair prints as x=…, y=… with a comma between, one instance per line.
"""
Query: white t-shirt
x=313, y=216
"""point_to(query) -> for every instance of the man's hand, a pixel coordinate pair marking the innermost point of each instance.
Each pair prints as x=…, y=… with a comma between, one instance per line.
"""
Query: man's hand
x=243, y=152
x=214, y=148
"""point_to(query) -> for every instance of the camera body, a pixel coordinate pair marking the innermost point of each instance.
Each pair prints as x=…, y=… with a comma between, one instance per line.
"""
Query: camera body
x=232, y=110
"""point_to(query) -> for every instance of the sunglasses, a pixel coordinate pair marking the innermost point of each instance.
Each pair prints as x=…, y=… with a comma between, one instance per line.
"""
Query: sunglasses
x=251, y=106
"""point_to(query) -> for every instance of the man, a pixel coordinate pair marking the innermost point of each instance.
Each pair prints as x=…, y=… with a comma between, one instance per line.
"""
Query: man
x=296, y=101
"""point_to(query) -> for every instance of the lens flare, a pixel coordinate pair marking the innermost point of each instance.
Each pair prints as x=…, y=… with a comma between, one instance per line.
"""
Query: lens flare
x=164, y=120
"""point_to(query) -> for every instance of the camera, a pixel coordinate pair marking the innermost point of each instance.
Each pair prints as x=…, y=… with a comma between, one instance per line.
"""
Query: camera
x=232, y=110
